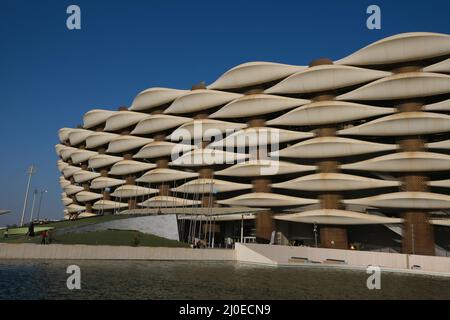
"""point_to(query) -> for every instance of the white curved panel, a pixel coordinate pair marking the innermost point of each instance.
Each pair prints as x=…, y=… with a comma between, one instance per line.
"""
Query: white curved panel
x=325, y=78
x=402, y=124
x=204, y=129
x=336, y=217
x=96, y=117
x=443, y=66
x=105, y=182
x=255, y=168
x=155, y=97
x=123, y=119
x=325, y=147
x=401, y=86
x=86, y=215
x=334, y=182
x=69, y=170
x=67, y=152
x=98, y=139
x=72, y=189
x=439, y=106
x=84, y=196
x=130, y=191
x=210, y=186
x=82, y=155
x=263, y=199
x=253, y=73
x=159, y=122
x=404, y=162
x=103, y=160
x=256, y=136
x=405, y=200
x=61, y=165
x=84, y=175
x=445, y=144
x=66, y=201
x=220, y=217
x=63, y=134
x=440, y=222
x=63, y=182
x=108, y=205
x=202, y=157
x=77, y=136
x=325, y=112
x=198, y=100
x=74, y=208
x=440, y=183
x=126, y=143
x=400, y=48
x=164, y=175
x=125, y=167
x=158, y=149
x=58, y=148
x=257, y=104
x=168, y=202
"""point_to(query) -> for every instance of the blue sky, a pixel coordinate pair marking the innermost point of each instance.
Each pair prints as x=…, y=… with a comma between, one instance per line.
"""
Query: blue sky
x=50, y=76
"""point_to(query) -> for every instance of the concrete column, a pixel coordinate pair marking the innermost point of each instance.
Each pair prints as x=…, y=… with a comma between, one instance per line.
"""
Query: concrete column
x=264, y=222
x=418, y=236
x=264, y=226
x=334, y=237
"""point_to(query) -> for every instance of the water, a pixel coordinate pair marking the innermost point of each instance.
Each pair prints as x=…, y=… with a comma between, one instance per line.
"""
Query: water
x=205, y=280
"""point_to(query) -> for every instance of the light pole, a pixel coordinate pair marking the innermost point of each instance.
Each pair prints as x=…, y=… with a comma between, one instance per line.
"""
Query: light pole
x=31, y=171
x=412, y=237
x=315, y=234
x=40, y=201
x=32, y=204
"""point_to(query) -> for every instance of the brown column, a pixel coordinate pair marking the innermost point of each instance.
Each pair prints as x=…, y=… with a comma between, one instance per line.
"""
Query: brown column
x=333, y=237
x=264, y=222
x=418, y=236
x=264, y=226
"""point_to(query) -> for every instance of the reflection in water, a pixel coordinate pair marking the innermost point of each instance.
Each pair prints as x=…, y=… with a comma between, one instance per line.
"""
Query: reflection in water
x=205, y=280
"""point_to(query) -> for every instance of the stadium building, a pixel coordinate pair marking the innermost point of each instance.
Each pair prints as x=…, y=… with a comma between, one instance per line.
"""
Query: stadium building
x=353, y=153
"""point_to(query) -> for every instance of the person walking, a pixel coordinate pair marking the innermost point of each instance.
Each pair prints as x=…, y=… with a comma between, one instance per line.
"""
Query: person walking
x=43, y=237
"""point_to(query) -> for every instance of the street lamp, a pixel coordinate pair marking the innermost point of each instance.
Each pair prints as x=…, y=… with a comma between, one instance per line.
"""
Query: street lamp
x=40, y=201
x=31, y=171
x=32, y=205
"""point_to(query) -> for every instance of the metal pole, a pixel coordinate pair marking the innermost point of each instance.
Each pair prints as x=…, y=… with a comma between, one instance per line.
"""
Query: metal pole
x=40, y=201
x=315, y=234
x=242, y=228
x=30, y=173
x=412, y=237
x=32, y=204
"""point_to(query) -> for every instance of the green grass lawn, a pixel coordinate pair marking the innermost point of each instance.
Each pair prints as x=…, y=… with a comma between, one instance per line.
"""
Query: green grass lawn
x=84, y=221
x=107, y=237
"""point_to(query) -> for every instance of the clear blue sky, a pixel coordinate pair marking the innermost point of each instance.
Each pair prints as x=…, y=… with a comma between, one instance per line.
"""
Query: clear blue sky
x=50, y=76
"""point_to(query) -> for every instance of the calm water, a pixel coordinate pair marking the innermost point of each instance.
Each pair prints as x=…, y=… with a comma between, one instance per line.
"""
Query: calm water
x=205, y=280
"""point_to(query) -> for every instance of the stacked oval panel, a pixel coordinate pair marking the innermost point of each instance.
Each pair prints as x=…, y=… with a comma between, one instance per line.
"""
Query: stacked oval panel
x=335, y=143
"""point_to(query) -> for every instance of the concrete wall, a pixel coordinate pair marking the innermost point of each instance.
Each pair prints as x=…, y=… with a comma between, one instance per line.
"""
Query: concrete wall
x=163, y=226
x=281, y=255
x=250, y=253
x=85, y=252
